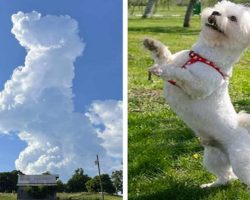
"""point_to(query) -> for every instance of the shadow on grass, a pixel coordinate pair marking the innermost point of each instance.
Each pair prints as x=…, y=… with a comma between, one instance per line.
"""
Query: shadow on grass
x=166, y=133
x=243, y=104
x=180, y=191
x=169, y=29
x=183, y=143
x=158, y=137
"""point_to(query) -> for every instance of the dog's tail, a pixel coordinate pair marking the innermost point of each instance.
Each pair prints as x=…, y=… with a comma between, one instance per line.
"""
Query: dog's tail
x=244, y=120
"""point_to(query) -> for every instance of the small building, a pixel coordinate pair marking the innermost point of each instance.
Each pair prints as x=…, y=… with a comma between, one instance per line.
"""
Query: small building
x=33, y=187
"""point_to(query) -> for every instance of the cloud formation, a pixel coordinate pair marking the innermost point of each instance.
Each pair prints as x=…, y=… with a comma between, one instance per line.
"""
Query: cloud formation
x=37, y=101
x=109, y=114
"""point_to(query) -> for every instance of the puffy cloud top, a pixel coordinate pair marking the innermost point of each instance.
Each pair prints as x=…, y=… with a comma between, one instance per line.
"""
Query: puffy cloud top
x=48, y=32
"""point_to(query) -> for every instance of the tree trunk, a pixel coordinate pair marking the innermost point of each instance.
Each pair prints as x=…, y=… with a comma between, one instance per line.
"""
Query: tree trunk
x=188, y=13
x=149, y=8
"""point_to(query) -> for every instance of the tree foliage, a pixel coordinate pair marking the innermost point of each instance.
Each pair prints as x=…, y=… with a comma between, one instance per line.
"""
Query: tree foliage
x=77, y=182
x=60, y=186
x=8, y=181
x=117, y=180
x=93, y=185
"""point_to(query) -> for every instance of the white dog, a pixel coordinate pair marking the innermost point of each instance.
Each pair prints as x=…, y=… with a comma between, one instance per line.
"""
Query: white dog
x=196, y=88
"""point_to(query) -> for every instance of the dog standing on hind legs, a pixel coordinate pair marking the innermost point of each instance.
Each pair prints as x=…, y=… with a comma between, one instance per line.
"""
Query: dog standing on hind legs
x=196, y=88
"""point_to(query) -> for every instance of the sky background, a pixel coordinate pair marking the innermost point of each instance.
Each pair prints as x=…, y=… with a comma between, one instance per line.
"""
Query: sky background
x=98, y=72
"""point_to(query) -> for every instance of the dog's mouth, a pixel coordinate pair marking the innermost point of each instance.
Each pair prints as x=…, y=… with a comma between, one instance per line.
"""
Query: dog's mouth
x=213, y=25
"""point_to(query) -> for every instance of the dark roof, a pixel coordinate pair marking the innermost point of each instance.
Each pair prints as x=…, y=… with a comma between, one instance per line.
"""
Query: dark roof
x=36, y=180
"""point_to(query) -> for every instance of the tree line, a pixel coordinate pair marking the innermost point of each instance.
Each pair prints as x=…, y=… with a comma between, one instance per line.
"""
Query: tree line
x=149, y=6
x=79, y=182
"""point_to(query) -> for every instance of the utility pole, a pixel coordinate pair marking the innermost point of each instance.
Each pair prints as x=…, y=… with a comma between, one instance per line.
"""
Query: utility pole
x=98, y=164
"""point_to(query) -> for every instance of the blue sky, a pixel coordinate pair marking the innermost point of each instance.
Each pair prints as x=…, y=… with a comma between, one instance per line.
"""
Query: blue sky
x=98, y=73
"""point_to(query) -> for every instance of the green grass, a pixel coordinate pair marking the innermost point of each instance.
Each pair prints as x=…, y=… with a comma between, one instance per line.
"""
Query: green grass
x=7, y=196
x=165, y=158
x=68, y=196
x=86, y=196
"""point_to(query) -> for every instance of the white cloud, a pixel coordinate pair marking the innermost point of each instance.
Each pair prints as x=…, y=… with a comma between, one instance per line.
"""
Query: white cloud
x=37, y=101
x=108, y=114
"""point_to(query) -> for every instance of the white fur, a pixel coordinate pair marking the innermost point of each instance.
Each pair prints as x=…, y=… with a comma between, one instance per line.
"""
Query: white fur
x=202, y=99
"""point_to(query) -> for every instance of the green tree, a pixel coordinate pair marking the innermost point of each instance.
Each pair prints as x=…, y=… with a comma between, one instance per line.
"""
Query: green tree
x=77, y=182
x=116, y=178
x=60, y=186
x=93, y=185
x=107, y=184
x=8, y=181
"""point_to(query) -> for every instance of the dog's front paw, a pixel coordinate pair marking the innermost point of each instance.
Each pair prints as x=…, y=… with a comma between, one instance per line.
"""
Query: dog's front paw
x=151, y=44
x=156, y=70
x=159, y=52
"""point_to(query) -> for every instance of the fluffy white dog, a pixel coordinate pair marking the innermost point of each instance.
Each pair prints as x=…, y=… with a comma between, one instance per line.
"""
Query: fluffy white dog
x=196, y=88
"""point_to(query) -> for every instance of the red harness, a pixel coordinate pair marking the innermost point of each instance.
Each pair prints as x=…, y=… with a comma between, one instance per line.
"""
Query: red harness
x=194, y=57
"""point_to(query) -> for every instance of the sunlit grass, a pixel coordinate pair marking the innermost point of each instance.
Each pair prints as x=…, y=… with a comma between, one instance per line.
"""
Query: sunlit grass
x=5, y=196
x=68, y=196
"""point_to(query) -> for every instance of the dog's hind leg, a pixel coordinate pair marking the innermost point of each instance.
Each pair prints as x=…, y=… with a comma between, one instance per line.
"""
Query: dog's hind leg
x=244, y=120
x=239, y=155
x=217, y=162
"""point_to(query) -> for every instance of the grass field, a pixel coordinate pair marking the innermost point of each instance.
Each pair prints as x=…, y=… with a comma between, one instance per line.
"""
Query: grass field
x=67, y=196
x=165, y=158
x=7, y=196
x=86, y=196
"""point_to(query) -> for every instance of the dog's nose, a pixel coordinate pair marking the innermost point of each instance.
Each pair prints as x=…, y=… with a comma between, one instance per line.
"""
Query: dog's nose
x=211, y=19
x=216, y=13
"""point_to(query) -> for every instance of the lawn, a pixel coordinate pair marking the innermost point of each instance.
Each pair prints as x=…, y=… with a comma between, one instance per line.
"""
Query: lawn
x=86, y=196
x=165, y=158
x=68, y=196
x=7, y=196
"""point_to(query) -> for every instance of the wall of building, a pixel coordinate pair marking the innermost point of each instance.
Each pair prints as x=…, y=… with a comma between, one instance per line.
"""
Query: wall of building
x=22, y=194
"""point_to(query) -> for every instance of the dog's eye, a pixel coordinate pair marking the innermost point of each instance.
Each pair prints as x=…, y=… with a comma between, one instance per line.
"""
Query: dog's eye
x=233, y=18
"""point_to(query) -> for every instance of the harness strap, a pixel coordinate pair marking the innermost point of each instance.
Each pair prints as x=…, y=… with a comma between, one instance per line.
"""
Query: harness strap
x=194, y=57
